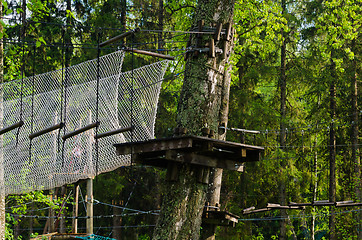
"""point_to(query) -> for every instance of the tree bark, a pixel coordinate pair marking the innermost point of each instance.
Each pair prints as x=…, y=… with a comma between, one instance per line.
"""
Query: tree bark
x=117, y=221
x=355, y=137
x=332, y=153
x=160, y=25
x=62, y=215
x=282, y=140
x=315, y=188
x=200, y=106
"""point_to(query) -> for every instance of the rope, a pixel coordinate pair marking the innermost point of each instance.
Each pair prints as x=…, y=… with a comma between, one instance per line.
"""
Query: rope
x=32, y=104
x=22, y=84
x=65, y=86
x=97, y=100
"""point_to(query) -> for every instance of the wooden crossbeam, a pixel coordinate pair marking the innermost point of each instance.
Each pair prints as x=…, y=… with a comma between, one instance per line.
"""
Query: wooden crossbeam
x=113, y=132
x=153, y=54
x=11, y=127
x=46, y=130
x=119, y=37
x=80, y=130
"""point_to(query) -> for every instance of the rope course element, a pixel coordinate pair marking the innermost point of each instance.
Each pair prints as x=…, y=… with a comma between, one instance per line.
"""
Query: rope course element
x=96, y=237
x=71, y=93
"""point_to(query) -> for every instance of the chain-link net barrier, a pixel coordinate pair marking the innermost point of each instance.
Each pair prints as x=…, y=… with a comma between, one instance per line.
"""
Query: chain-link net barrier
x=69, y=95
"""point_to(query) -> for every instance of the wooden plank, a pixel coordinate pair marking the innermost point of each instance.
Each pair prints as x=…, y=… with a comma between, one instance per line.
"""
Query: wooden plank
x=153, y=146
x=323, y=203
x=299, y=204
x=257, y=211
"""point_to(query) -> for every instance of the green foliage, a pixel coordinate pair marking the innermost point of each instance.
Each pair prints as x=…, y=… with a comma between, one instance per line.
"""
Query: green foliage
x=317, y=33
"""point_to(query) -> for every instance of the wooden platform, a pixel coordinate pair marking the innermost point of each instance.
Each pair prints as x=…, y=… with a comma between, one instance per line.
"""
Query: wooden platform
x=194, y=150
x=219, y=218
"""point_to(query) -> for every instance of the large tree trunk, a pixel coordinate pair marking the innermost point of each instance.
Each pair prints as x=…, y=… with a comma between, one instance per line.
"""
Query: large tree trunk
x=160, y=25
x=282, y=140
x=355, y=136
x=332, y=154
x=200, y=107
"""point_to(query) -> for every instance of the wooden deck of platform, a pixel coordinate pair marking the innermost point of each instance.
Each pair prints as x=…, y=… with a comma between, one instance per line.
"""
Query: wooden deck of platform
x=195, y=150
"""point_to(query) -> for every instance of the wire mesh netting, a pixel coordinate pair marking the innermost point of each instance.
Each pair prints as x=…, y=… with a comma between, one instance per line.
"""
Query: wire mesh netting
x=96, y=237
x=70, y=96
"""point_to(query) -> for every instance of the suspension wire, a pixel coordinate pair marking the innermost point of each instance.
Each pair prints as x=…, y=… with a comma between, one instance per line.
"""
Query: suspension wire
x=132, y=95
x=22, y=82
x=32, y=105
x=120, y=29
x=61, y=91
x=97, y=99
x=66, y=61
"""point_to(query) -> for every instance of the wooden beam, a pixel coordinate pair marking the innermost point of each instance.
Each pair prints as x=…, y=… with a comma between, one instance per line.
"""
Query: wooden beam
x=292, y=204
x=46, y=130
x=80, y=130
x=113, y=132
x=207, y=161
x=153, y=54
x=11, y=127
x=119, y=37
x=323, y=203
x=257, y=211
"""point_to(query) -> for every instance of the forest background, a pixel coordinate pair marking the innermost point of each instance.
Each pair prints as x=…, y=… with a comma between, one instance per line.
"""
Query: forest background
x=296, y=73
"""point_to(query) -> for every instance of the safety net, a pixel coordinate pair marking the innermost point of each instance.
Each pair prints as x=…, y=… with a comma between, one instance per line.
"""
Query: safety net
x=69, y=96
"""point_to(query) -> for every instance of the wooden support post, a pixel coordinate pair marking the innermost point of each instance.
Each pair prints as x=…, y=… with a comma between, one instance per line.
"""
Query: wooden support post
x=212, y=48
x=51, y=215
x=63, y=194
x=218, y=32
x=75, y=208
x=89, y=200
x=89, y=196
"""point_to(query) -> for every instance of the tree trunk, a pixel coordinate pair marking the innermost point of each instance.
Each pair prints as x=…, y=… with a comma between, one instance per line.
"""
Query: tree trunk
x=332, y=153
x=282, y=140
x=315, y=188
x=160, y=25
x=75, y=208
x=203, y=100
x=62, y=215
x=355, y=136
x=117, y=221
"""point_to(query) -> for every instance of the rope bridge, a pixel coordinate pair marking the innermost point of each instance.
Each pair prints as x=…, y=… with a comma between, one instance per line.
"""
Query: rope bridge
x=40, y=146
